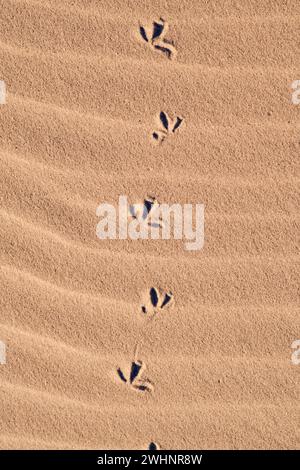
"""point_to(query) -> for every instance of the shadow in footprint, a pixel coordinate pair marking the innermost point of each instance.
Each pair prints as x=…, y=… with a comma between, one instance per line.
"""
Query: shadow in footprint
x=154, y=296
x=153, y=446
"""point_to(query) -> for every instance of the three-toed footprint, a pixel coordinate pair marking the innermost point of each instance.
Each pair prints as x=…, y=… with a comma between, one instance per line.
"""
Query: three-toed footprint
x=156, y=300
x=132, y=375
x=147, y=212
x=167, y=126
x=154, y=36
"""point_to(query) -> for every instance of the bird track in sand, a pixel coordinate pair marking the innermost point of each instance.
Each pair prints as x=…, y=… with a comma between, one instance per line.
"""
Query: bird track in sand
x=166, y=126
x=154, y=36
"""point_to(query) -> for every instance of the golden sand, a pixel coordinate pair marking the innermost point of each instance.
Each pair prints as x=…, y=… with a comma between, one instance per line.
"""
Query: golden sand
x=84, y=91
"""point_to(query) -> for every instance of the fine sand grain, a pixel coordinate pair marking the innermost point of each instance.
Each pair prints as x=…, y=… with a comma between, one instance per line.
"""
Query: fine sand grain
x=84, y=91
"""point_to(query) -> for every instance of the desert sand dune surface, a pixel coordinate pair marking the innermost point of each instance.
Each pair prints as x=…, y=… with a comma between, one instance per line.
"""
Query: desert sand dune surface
x=116, y=343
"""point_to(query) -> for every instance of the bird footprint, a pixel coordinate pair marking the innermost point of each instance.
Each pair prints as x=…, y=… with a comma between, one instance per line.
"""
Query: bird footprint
x=133, y=377
x=157, y=301
x=154, y=35
x=146, y=212
x=168, y=126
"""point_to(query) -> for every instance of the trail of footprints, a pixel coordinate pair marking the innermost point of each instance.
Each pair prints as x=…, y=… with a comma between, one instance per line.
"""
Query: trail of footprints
x=154, y=36
x=155, y=300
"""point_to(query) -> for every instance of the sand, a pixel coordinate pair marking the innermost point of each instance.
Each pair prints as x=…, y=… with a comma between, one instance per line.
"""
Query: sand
x=84, y=91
